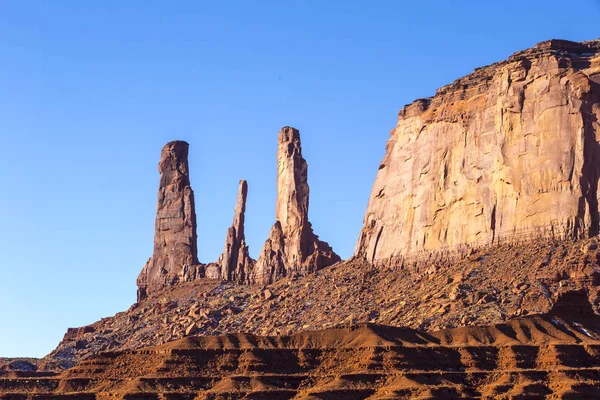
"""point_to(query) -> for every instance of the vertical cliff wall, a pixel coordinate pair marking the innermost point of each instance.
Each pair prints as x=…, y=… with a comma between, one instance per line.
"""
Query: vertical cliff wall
x=175, y=253
x=510, y=152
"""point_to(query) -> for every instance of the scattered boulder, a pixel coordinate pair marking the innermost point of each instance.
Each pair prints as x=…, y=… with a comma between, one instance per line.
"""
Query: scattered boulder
x=212, y=271
x=191, y=330
x=74, y=334
x=21, y=365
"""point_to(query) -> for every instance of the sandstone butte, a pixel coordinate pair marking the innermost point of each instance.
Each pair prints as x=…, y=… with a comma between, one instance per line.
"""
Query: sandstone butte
x=508, y=153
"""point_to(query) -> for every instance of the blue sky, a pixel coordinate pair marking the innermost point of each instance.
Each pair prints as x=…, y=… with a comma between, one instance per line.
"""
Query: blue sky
x=91, y=90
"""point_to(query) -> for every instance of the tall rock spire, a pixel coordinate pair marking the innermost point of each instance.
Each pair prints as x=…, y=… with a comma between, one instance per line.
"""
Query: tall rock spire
x=292, y=245
x=235, y=262
x=175, y=247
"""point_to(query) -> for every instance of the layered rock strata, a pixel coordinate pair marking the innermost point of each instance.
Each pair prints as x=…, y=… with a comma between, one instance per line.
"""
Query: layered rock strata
x=175, y=256
x=235, y=264
x=292, y=246
x=508, y=153
x=539, y=356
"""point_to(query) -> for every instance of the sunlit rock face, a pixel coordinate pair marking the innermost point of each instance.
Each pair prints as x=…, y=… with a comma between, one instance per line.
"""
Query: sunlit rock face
x=292, y=246
x=507, y=153
x=235, y=261
x=175, y=256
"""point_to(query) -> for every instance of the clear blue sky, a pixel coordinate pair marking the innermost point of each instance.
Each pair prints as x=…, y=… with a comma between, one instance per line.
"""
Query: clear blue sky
x=91, y=90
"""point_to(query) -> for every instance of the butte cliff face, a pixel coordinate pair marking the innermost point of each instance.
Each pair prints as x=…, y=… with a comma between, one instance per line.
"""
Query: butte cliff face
x=175, y=256
x=292, y=245
x=508, y=153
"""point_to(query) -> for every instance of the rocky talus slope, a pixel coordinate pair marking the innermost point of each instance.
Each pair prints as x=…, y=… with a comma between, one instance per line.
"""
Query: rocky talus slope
x=19, y=367
x=509, y=152
x=506, y=150
x=556, y=355
x=489, y=286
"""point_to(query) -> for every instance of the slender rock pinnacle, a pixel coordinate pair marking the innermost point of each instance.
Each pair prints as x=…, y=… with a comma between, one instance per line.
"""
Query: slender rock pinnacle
x=235, y=262
x=292, y=246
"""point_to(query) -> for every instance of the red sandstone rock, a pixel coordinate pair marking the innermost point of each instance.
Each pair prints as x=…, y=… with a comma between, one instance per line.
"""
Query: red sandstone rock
x=292, y=246
x=175, y=250
x=489, y=286
x=505, y=154
x=74, y=334
x=535, y=357
x=271, y=262
x=235, y=262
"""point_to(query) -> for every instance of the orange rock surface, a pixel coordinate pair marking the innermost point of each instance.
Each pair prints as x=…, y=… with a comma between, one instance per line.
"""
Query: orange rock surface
x=510, y=152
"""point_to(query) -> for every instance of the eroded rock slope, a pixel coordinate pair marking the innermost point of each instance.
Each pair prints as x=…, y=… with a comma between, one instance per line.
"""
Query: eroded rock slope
x=556, y=355
x=490, y=286
x=497, y=159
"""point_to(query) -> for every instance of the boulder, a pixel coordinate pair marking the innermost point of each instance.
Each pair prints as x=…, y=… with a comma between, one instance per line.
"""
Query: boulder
x=191, y=329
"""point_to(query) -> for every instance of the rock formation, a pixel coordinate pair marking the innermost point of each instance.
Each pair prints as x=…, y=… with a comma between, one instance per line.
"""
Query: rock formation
x=491, y=286
x=292, y=246
x=272, y=259
x=533, y=357
x=175, y=256
x=235, y=263
x=508, y=153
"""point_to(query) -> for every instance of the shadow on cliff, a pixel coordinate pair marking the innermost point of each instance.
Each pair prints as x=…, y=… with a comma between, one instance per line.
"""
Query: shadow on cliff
x=591, y=165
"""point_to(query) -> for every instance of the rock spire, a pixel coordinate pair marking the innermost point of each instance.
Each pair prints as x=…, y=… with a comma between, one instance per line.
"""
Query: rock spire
x=235, y=262
x=292, y=246
x=175, y=256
